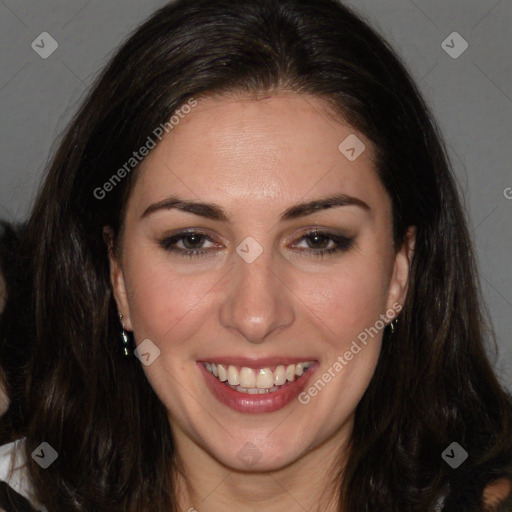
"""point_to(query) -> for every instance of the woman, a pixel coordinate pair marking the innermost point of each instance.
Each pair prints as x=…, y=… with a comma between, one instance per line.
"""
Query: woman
x=15, y=330
x=255, y=286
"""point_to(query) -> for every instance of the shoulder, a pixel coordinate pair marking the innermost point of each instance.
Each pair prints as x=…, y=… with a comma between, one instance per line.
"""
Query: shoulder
x=498, y=495
x=495, y=496
x=14, y=475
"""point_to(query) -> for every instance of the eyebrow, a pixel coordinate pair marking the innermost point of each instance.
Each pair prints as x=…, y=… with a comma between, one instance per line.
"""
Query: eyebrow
x=213, y=211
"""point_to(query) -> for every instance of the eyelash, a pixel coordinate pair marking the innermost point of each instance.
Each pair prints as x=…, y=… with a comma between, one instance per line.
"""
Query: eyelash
x=343, y=244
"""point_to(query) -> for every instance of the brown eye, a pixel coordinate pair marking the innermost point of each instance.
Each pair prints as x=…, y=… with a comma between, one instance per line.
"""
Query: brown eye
x=192, y=242
x=321, y=238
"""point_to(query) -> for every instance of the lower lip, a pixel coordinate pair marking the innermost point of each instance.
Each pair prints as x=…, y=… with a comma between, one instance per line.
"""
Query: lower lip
x=268, y=402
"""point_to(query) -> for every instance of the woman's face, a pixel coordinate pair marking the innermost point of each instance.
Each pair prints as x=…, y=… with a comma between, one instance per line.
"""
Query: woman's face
x=260, y=297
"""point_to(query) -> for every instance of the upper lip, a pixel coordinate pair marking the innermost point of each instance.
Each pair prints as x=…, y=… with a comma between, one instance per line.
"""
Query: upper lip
x=261, y=362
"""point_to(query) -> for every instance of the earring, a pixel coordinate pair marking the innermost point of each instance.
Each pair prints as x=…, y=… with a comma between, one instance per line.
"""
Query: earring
x=393, y=324
x=125, y=340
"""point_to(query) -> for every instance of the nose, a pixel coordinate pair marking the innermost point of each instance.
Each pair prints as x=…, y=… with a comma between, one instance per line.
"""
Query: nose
x=259, y=299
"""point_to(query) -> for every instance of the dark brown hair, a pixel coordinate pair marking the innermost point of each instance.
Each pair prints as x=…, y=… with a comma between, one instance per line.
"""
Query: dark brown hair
x=433, y=384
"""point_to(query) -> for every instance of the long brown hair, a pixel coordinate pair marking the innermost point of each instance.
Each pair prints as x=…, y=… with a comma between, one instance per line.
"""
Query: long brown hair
x=433, y=384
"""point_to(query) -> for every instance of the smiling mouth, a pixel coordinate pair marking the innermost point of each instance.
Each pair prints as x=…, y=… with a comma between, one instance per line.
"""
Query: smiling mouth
x=257, y=381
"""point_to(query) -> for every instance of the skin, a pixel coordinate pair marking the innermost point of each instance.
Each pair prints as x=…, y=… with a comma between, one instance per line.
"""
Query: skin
x=255, y=158
x=496, y=493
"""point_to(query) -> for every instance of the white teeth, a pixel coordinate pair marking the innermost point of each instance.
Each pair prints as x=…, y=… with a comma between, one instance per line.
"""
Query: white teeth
x=259, y=381
x=223, y=375
x=247, y=377
x=265, y=378
x=233, y=377
x=279, y=375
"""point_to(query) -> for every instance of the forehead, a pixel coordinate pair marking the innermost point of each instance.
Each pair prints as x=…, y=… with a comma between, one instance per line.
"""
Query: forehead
x=282, y=147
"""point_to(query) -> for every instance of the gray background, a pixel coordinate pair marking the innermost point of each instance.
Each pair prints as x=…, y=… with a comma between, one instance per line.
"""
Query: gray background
x=470, y=96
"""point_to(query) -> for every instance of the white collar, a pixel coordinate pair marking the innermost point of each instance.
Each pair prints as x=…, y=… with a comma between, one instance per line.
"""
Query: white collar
x=18, y=479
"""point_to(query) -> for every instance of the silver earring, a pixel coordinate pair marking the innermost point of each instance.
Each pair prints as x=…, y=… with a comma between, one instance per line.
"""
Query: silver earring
x=125, y=340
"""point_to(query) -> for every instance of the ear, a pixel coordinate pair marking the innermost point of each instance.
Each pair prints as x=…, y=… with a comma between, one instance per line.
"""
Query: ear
x=400, y=278
x=117, y=279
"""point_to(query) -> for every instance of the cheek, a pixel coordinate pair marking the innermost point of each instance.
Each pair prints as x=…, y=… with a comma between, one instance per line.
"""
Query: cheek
x=354, y=296
x=159, y=297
